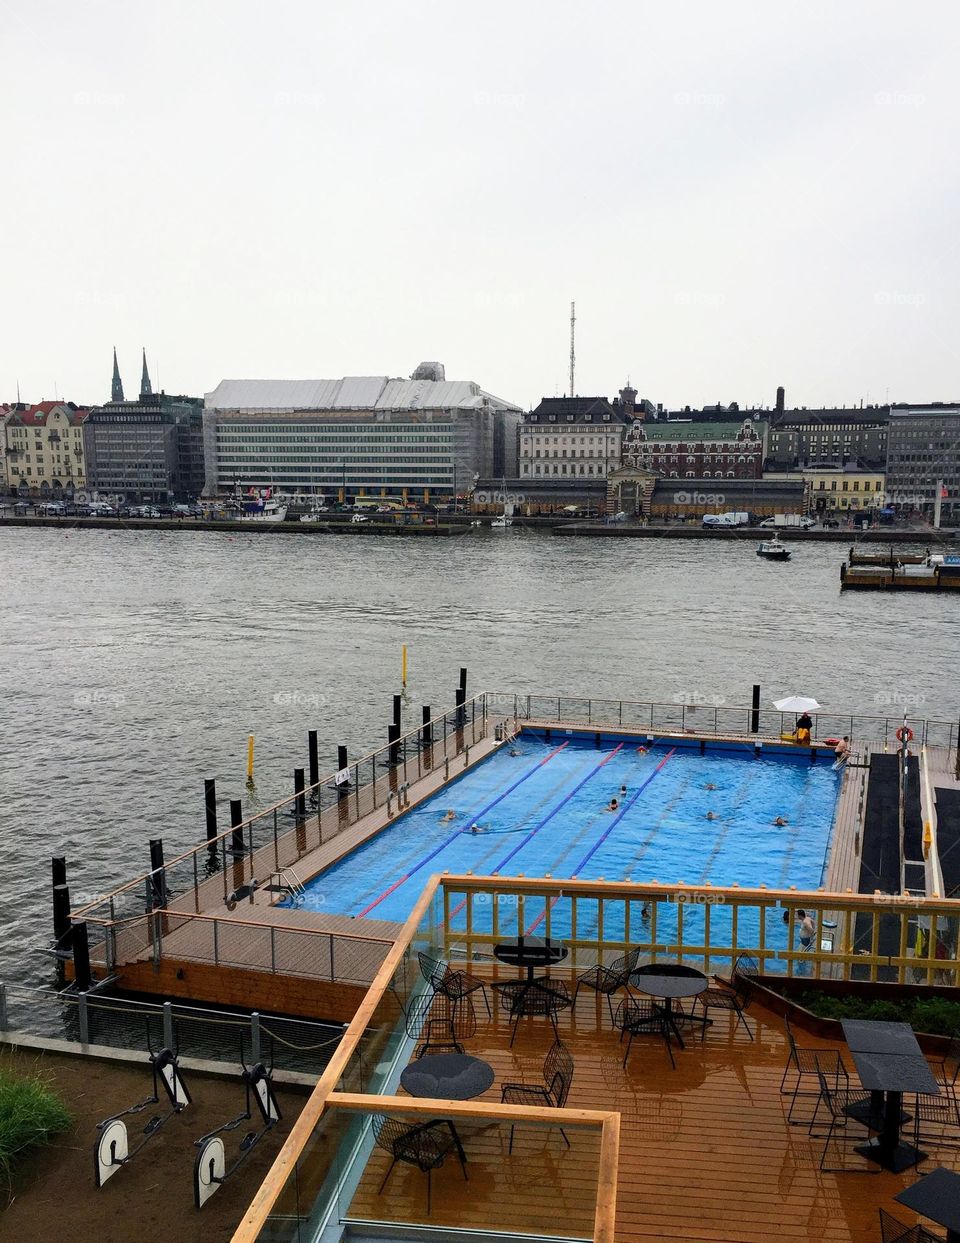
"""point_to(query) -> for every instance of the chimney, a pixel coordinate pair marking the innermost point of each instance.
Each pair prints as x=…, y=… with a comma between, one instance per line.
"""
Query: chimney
x=780, y=396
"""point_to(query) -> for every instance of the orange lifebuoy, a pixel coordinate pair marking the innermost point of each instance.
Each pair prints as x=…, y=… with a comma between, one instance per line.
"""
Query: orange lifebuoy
x=904, y=734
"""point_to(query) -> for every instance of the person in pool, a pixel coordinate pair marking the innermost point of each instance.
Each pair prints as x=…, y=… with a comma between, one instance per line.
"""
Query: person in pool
x=451, y=815
x=780, y=822
x=612, y=805
x=623, y=790
x=709, y=786
x=711, y=815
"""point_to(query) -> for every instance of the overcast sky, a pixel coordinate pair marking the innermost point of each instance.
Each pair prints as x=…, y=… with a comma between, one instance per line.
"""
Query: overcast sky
x=737, y=195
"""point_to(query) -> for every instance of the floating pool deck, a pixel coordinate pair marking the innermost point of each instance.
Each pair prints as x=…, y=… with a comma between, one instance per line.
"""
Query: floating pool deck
x=265, y=952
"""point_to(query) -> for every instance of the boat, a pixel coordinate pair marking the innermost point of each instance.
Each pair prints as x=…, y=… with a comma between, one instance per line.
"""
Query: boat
x=773, y=550
x=502, y=521
x=260, y=509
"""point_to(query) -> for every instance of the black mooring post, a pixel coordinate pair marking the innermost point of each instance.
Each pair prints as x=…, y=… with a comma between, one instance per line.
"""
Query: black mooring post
x=236, y=819
x=343, y=765
x=59, y=869
x=210, y=806
x=158, y=878
x=755, y=713
x=460, y=700
x=426, y=732
x=393, y=738
x=397, y=708
x=314, y=760
x=61, y=917
x=463, y=682
x=81, y=956
x=299, y=790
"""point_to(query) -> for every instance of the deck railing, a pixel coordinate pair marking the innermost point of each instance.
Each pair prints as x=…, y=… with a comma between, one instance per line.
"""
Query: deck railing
x=906, y=939
x=709, y=715
x=274, y=840
x=249, y=944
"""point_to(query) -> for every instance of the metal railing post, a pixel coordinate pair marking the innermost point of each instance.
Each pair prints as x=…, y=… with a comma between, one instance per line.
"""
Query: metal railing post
x=168, y=1025
x=332, y=971
x=84, y=1018
x=154, y=919
x=3, y=1007
x=216, y=944
x=255, y=1054
x=273, y=948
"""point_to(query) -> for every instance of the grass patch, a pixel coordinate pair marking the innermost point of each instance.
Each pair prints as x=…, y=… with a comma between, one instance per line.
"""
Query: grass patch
x=30, y=1113
x=934, y=1015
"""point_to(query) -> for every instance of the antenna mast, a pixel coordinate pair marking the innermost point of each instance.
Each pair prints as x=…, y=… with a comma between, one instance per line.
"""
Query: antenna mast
x=573, y=328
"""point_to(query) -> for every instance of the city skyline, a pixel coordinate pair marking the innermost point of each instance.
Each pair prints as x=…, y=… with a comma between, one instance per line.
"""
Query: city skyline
x=749, y=198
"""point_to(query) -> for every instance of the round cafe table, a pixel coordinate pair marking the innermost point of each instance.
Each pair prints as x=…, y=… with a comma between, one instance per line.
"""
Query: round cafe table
x=529, y=953
x=665, y=988
x=448, y=1077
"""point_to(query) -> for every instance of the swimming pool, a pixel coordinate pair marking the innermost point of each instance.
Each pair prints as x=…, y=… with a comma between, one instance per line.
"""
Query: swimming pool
x=540, y=807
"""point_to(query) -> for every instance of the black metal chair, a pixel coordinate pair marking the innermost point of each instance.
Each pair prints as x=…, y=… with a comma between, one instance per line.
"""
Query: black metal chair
x=608, y=980
x=637, y=1018
x=936, y=1120
x=557, y=1077
x=733, y=997
x=837, y=1104
x=892, y=1230
x=547, y=997
x=806, y=1063
x=456, y=984
x=425, y=1146
x=946, y=1069
x=440, y=1023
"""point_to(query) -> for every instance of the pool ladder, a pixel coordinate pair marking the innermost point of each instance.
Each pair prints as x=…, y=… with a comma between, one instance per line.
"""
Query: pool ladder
x=287, y=881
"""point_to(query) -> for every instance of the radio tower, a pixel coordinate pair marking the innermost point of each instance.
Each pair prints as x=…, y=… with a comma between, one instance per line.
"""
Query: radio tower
x=573, y=329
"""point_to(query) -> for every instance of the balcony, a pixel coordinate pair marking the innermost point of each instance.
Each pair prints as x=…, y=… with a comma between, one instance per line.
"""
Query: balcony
x=702, y=1150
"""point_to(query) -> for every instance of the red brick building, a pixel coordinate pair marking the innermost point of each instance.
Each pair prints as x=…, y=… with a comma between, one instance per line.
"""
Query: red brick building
x=680, y=450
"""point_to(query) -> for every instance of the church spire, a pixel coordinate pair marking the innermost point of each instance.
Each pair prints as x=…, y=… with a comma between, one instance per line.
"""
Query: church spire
x=116, y=392
x=145, y=388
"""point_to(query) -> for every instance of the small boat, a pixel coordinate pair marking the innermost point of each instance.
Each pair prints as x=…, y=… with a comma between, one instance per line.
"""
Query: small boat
x=261, y=510
x=501, y=522
x=773, y=550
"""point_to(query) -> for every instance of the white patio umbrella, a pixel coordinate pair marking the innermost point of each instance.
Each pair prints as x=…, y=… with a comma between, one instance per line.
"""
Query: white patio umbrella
x=796, y=703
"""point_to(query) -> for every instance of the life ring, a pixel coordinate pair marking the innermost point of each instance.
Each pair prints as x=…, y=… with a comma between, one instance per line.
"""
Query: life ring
x=904, y=734
x=831, y=742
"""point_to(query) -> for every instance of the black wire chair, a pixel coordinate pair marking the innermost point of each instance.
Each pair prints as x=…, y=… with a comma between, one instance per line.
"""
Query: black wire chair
x=426, y=1146
x=940, y=1111
x=454, y=983
x=608, y=980
x=440, y=1023
x=638, y=1018
x=557, y=1078
x=837, y=1104
x=547, y=997
x=892, y=1230
x=805, y=1063
x=734, y=997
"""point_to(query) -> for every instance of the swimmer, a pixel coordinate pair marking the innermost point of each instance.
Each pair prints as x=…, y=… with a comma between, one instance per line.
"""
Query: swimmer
x=711, y=816
x=477, y=828
x=644, y=912
x=623, y=790
x=612, y=805
x=780, y=822
x=515, y=751
x=709, y=786
x=641, y=750
x=451, y=815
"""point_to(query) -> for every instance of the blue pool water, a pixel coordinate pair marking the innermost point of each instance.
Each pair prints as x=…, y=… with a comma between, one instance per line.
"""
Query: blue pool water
x=544, y=811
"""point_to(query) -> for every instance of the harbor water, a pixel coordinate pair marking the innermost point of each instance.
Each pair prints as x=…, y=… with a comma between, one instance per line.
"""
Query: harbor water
x=137, y=663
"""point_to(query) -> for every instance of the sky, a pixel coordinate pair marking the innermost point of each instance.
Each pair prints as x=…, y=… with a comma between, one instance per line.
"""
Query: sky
x=736, y=195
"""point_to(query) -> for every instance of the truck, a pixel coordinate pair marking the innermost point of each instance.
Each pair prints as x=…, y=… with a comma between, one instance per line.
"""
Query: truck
x=790, y=520
x=733, y=518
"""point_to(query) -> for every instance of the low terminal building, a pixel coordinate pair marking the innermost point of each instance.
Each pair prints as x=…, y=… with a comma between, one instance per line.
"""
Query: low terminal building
x=533, y=498
x=837, y=490
x=422, y=439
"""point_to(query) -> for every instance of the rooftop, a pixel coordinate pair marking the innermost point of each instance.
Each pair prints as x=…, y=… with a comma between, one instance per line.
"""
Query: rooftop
x=353, y=393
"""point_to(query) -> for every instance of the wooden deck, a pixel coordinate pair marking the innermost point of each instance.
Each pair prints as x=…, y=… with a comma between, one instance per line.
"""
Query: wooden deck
x=706, y=1154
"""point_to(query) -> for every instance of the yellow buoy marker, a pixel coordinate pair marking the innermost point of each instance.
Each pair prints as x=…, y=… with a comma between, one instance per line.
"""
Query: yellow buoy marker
x=403, y=664
x=250, y=758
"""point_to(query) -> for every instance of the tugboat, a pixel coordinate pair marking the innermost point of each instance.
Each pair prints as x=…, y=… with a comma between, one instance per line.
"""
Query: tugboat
x=773, y=550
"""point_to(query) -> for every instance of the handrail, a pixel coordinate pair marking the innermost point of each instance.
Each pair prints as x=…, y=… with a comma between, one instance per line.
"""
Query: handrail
x=290, y=800
x=163, y=912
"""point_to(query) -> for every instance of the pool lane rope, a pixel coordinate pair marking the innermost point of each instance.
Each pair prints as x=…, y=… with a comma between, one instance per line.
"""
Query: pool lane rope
x=604, y=835
x=546, y=820
x=456, y=832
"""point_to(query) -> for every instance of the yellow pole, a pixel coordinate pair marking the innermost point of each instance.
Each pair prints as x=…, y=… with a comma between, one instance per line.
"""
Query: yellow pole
x=250, y=758
x=403, y=664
